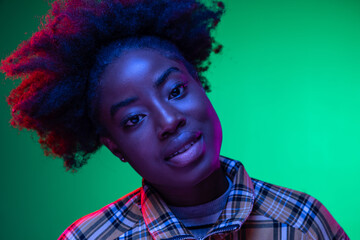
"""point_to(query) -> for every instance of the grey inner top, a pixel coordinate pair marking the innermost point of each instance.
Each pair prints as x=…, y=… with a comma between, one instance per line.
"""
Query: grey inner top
x=199, y=219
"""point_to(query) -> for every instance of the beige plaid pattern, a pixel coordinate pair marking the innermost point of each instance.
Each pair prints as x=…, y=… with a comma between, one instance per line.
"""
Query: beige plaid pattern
x=254, y=210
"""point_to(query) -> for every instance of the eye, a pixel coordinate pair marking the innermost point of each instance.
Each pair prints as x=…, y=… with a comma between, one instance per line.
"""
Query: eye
x=133, y=120
x=177, y=91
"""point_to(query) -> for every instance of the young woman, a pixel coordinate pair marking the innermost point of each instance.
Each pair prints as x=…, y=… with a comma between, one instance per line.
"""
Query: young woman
x=128, y=75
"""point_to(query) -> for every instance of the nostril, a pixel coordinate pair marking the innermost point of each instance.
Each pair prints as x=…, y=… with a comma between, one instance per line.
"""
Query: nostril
x=181, y=123
x=173, y=127
x=164, y=135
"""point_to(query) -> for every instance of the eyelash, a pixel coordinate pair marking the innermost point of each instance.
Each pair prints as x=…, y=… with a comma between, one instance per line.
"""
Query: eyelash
x=127, y=120
x=183, y=87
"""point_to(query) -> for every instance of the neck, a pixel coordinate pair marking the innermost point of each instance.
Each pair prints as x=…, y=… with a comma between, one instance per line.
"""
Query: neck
x=207, y=190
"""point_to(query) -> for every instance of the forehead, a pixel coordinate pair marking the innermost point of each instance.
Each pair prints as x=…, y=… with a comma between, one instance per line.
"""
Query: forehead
x=135, y=66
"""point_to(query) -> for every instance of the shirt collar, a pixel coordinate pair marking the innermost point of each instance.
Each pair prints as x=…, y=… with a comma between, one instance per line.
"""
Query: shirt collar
x=162, y=223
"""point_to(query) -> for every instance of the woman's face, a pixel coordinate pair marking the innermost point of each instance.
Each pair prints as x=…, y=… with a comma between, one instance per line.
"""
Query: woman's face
x=159, y=119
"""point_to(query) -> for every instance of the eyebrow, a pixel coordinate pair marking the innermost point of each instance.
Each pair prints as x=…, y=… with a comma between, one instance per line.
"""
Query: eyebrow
x=114, y=108
x=126, y=102
x=163, y=77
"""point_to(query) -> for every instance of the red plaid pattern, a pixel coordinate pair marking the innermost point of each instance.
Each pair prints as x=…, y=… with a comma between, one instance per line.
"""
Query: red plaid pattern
x=254, y=210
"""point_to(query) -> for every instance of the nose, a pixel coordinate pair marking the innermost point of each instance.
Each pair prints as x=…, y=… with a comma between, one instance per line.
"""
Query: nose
x=170, y=120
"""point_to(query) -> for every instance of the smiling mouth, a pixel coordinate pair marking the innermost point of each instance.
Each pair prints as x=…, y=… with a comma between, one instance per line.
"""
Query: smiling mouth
x=184, y=148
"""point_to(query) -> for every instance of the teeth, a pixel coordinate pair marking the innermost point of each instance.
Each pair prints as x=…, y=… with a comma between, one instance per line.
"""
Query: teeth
x=182, y=150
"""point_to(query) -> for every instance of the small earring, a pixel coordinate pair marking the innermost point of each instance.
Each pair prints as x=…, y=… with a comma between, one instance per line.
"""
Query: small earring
x=122, y=159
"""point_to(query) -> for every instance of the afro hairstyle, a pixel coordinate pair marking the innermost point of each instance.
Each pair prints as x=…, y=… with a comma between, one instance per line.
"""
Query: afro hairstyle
x=56, y=63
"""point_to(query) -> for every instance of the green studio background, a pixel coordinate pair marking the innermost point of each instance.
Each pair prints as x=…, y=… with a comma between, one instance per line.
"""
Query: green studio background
x=286, y=88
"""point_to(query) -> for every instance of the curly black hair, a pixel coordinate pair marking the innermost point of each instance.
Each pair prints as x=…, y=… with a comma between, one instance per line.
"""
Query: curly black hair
x=58, y=63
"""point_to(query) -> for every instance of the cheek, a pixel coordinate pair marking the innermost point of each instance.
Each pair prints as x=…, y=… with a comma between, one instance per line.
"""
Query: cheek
x=198, y=105
x=132, y=141
x=206, y=111
x=203, y=111
x=211, y=117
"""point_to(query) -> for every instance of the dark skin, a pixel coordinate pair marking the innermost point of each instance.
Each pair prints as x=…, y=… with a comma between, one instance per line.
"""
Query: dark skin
x=161, y=122
x=205, y=191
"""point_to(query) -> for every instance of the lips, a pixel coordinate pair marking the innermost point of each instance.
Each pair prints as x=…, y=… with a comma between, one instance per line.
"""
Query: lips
x=181, y=144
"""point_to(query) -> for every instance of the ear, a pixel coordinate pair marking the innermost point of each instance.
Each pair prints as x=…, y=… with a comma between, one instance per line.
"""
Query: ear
x=112, y=147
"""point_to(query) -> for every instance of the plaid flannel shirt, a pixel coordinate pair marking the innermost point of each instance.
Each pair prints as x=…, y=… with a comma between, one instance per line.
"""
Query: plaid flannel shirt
x=254, y=210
